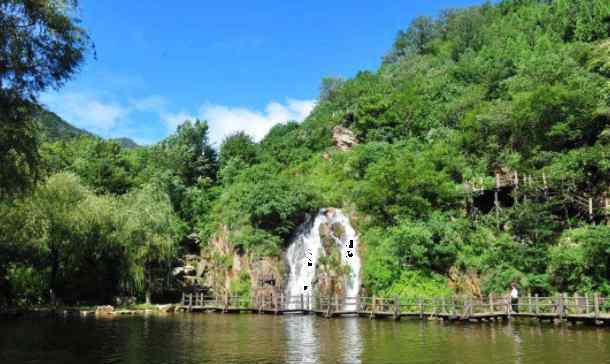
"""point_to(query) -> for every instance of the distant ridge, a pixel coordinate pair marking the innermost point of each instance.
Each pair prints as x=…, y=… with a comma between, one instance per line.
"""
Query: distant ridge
x=54, y=128
x=125, y=143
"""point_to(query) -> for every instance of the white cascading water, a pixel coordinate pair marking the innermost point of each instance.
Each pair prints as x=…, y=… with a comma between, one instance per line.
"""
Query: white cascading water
x=306, y=247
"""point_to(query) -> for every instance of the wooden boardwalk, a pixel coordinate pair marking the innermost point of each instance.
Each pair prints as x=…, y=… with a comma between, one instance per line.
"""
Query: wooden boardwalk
x=593, y=206
x=593, y=309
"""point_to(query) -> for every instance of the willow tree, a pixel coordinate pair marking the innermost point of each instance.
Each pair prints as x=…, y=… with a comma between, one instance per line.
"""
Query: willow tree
x=42, y=45
x=150, y=231
x=54, y=206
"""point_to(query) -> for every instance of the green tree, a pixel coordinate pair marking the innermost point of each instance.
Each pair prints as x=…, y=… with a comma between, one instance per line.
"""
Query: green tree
x=330, y=87
x=150, y=232
x=102, y=165
x=415, y=39
x=41, y=46
x=54, y=205
x=238, y=146
x=188, y=153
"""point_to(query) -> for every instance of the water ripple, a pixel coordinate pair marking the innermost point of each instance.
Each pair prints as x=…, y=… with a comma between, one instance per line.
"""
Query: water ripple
x=240, y=339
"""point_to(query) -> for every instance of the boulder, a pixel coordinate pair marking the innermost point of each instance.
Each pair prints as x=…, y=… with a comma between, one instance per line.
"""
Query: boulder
x=344, y=138
x=166, y=308
x=104, y=310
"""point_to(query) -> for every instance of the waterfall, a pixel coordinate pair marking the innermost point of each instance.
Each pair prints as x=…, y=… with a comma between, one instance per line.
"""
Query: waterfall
x=307, y=246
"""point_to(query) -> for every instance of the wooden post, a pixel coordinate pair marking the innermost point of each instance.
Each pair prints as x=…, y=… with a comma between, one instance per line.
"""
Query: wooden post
x=591, y=208
x=536, y=307
x=577, y=303
x=497, y=206
x=190, y=302
x=336, y=303
x=596, y=305
x=453, y=303
x=529, y=302
x=516, y=179
x=373, y=304
x=226, y=303
x=464, y=308
x=396, y=308
x=586, y=303
x=358, y=309
x=560, y=306
x=491, y=303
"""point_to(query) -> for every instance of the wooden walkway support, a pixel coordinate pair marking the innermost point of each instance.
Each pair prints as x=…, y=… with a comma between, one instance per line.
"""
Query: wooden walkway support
x=591, y=206
x=590, y=308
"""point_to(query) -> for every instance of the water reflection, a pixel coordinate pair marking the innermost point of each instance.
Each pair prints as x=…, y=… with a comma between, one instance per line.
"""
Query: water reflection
x=301, y=340
x=351, y=341
x=517, y=349
x=261, y=339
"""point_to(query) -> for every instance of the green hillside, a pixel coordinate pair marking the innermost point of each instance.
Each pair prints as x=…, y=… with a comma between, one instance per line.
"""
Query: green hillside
x=478, y=154
x=521, y=86
x=125, y=143
x=55, y=128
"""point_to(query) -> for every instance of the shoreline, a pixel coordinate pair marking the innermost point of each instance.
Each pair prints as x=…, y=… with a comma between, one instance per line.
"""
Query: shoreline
x=90, y=312
x=86, y=311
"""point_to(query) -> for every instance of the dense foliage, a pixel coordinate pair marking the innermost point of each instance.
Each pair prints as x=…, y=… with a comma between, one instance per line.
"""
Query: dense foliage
x=514, y=86
x=41, y=47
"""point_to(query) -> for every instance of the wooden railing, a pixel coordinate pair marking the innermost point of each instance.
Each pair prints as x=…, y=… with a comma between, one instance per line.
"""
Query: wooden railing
x=590, y=307
x=587, y=204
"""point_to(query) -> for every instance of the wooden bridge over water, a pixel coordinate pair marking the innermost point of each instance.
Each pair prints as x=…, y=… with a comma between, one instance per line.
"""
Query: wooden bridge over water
x=592, y=309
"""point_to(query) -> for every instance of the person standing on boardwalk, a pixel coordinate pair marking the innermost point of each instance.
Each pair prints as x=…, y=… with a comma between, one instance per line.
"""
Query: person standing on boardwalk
x=514, y=297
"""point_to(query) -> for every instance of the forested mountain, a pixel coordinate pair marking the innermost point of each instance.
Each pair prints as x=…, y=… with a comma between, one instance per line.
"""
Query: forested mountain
x=125, y=143
x=54, y=128
x=518, y=86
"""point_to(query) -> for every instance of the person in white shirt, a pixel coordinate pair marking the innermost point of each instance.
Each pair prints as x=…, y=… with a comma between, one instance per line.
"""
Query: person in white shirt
x=514, y=297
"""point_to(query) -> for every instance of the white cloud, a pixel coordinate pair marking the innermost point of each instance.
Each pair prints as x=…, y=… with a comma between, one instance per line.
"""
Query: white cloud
x=154, y=103
x=86, y=110
x=100, y=114
x=226, y=120
x=173, y=120
x=302, y=108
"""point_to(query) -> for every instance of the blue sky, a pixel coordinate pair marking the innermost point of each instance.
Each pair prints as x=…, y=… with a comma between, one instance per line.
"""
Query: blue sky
x=241, y=65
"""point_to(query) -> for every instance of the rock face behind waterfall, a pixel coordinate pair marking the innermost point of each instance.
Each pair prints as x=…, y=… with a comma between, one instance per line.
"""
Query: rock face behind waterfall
x=323, y=257
x=221, y=266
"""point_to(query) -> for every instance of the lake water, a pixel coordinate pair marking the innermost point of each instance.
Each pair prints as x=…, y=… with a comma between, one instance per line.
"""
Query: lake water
x=215, y=338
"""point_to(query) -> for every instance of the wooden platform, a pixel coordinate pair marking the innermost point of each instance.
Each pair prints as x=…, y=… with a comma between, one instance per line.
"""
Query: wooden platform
x=589, y=309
